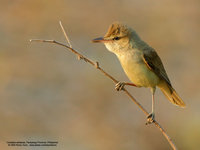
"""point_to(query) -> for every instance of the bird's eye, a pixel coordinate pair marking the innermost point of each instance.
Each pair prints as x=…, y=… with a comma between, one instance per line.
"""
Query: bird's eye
x=116, y=38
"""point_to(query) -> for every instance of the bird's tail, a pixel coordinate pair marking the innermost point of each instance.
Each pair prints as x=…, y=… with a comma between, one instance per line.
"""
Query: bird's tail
x=171, y=94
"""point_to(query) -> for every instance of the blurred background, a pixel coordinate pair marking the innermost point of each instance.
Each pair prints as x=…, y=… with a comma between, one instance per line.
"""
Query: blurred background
x=47, y=94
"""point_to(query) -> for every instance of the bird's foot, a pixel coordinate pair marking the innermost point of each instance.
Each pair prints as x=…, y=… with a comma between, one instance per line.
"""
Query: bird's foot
x=120, y=86
x=150, y=118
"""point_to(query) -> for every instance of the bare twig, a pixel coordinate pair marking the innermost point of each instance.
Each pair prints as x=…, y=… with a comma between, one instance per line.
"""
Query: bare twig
x=97, y=66
x=65, y=34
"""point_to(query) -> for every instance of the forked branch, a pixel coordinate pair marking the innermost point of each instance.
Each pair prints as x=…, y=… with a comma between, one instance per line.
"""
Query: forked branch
x=97, y=66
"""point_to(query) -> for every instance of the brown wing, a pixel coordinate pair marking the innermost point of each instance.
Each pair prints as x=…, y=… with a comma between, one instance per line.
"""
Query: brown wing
x=154, y=63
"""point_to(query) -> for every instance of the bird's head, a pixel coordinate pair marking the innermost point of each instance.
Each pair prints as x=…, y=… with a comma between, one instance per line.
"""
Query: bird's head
x=117, y=38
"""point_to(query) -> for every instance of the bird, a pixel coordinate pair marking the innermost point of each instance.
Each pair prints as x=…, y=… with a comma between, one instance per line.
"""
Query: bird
x=140, y=62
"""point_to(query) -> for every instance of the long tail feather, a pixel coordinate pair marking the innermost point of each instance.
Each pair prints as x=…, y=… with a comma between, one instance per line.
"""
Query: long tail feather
x=171, y=94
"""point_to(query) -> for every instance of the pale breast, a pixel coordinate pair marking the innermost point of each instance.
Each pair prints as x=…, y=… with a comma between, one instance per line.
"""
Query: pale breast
x=137, y=71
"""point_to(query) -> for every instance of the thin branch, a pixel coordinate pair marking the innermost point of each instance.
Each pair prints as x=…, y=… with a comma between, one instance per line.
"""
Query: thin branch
x=65, y=34
x=97, y=66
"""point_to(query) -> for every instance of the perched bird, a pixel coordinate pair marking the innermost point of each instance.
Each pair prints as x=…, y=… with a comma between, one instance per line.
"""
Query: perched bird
x=140, y=62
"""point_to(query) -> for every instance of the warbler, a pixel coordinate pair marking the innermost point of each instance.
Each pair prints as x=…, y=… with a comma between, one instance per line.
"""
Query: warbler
x=140, y=62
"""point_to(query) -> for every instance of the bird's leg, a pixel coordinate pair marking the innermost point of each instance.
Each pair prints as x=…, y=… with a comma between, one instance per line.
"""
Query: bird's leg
x=120, y=85
x=151, y=116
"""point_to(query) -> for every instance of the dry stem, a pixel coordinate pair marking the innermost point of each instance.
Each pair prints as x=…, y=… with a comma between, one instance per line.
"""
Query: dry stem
x=96, y=65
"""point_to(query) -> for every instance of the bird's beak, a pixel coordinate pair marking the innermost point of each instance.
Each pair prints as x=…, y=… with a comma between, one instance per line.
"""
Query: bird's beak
x=100, y=40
